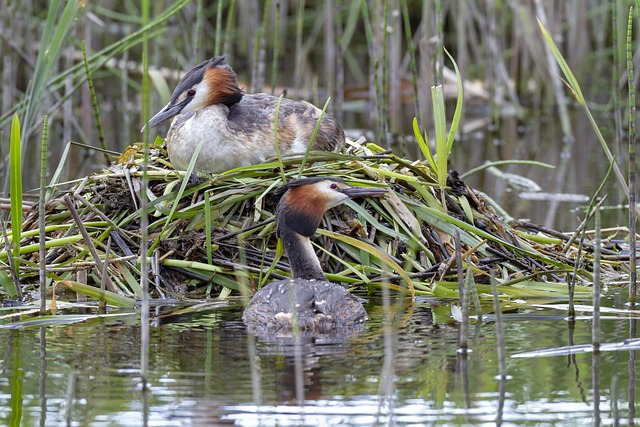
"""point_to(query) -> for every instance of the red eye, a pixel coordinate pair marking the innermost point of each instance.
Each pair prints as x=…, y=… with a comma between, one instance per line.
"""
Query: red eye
x=334, y=186
x=191, y=92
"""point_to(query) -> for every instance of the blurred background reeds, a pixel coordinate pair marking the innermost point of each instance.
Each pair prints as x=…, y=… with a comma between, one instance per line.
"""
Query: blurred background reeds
x=376, y=59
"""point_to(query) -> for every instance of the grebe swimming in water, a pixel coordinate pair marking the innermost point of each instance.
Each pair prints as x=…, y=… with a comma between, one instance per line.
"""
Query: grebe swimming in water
x=237, y=128
x=317, y=305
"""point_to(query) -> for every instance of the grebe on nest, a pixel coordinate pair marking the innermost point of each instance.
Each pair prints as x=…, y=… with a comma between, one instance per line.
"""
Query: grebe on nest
x=237, y=128
x=317, y=305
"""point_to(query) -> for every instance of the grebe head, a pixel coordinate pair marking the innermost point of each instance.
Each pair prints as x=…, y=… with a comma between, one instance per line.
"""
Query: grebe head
x=305, y=201
x=209, y=83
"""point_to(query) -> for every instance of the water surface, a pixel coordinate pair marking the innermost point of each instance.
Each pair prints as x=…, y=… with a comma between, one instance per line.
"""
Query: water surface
x=205, y=370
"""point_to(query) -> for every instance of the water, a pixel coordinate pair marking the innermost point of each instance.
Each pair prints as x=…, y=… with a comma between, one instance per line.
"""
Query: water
x=205, y=370
x=540, y=139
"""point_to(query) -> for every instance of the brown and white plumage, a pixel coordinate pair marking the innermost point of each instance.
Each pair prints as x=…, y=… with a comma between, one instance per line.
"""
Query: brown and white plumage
x=237, y=128
x=317, y=305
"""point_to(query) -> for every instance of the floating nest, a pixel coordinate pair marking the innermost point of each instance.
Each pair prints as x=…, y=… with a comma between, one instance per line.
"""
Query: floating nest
x=214, y=236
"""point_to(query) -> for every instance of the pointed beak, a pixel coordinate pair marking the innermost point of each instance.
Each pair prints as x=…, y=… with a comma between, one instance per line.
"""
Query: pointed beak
x=163, y=115
x=353, y=192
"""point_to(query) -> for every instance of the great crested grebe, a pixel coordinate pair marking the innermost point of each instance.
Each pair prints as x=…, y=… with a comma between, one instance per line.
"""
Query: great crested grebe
x=237, y=128
x=317, y=305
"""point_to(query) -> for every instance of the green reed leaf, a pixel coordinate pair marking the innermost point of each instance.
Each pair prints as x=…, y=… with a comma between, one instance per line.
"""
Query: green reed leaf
x=110, y=298
x=15, y=170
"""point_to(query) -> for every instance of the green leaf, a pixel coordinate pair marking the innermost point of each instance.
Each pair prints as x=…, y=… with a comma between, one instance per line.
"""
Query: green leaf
x=440, y=121
x=572, y=83
x=7, y=284
x=466, y=207
x=313, y=138
x=423, y=143
x=458, y=111
x=48, y=244
x=488, y=164
x=110, y=298
x=15, y=167
x=60, y=319
x=571, y=79
x=382, y=256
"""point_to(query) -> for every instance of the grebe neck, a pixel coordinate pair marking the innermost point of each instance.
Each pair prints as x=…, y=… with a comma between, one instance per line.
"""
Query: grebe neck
x=302, y=257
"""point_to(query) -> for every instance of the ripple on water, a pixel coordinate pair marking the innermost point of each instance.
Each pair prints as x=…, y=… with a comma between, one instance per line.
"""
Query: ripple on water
x=205, y=370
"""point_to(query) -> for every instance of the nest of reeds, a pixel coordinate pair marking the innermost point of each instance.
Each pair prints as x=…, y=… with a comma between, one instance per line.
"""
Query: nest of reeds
x=218, y=235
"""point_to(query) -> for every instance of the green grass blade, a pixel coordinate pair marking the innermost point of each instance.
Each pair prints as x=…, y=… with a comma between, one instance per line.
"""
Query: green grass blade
x=207, y=227
x=55, y=178
x=110, y=298
x=440, y=121
x=8, y=285
x=423, y=143
x=570, y=78
x=458, y=111
x=15, y=167
x=61, y=320
x=313, y=138
x=127, y=273
x=573, y=85
x=489, y=164
x=27, y=249
x=382, y=256
x=466, y=207
x=275, y=137
x=94, y=105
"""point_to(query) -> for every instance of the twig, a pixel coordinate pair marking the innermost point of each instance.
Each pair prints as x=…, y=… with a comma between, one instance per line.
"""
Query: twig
x=89, y=243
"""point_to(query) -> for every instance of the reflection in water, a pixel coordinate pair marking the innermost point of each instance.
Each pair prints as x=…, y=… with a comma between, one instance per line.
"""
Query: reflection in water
x=572, y=361
x=633, y=333
x=540, y=139
x=595, y=384
x=502, y=394
x=205, y=370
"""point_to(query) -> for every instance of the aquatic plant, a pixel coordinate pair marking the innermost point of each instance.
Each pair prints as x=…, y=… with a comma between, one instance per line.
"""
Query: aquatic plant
x=410, y=225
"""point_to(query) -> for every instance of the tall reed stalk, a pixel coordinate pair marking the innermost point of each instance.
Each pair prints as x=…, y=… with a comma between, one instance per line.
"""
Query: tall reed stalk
x=276, y=50
x=632, y=162
x=94, y=104
x=438, y=63
x=41, y=214
x=16, y=195
x=299, y=57
x=259, y=49
x=412, y=58
x=375, y=90
x=200, y=31
x=565, y=124
x=595, y=327
x=615, y=76
x=384, y=77
x=144, y=219
x=229, y=26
